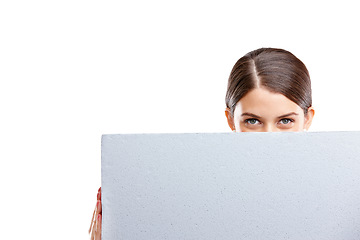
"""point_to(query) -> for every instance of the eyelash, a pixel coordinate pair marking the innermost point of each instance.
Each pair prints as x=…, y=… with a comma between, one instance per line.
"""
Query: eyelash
x=290, y=120
x=249, y=119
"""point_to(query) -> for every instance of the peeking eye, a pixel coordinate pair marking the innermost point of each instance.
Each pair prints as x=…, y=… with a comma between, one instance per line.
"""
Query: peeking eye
x=286, y=121
x=252, y=121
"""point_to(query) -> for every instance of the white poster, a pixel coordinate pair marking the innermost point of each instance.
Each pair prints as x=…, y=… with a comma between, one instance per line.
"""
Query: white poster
x=231, y=186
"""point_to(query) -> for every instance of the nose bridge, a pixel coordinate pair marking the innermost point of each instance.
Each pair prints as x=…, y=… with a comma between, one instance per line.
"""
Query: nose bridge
x=269, y=128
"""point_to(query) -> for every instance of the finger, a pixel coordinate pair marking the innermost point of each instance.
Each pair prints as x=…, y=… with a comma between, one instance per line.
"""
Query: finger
x=100, y=221
x=94, y=226
x=93, y=233
x=92, y=220
x=98, y=227
x=99, y=194
x=99, y=206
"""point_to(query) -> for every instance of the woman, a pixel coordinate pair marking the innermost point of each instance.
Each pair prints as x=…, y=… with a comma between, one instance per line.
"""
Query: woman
x=269, y=90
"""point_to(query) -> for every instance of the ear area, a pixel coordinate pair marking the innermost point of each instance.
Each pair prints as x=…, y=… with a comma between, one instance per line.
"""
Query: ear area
x=309, y=117
x=230, y=119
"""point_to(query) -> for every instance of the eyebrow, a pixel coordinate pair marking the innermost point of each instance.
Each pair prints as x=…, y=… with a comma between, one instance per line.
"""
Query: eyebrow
x=250, y=115
x=289, y=114
x=256, y=116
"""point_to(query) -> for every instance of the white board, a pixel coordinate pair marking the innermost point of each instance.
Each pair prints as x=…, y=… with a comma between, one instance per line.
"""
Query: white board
x=231, y=186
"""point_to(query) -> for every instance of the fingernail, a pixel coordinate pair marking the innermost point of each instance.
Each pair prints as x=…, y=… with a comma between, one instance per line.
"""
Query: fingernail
x=97, y=204
x=98, y=217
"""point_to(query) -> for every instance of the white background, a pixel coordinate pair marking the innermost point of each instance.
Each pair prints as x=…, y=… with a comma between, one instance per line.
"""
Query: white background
x=73, y=70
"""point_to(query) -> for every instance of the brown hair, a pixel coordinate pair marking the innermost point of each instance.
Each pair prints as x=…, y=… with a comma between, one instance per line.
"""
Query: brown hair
x=276, y=70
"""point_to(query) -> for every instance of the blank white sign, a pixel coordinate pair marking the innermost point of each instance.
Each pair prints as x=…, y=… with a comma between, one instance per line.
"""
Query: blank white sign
x=231, y=186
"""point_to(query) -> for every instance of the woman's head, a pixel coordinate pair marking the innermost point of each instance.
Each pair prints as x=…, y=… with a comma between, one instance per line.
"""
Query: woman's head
x=269, y=90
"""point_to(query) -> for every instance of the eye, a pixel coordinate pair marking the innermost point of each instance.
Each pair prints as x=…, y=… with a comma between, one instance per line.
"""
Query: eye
x=252, y=121
x=286, y=121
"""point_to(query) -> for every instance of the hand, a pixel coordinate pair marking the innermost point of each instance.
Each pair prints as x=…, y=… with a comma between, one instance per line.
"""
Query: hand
x=95, y=226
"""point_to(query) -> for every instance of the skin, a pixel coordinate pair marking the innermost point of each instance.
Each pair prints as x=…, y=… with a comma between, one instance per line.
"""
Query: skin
x=263, y=111
x=95, y=226
x=258, y=111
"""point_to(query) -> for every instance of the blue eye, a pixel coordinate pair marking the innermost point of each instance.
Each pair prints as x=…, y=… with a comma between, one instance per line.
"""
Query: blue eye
x=252, y=121
x=286, y=121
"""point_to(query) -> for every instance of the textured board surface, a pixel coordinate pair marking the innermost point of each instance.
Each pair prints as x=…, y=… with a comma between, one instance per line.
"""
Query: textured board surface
x=231, y=186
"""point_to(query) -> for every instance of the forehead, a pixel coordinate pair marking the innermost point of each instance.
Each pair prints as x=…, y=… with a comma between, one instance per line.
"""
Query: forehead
x=264, y=103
